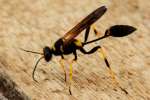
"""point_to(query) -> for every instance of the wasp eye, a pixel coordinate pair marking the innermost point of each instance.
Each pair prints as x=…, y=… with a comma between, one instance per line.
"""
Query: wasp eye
x=47, y=53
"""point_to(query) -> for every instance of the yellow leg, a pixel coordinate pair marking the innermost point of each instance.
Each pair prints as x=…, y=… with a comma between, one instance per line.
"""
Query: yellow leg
x=95, y=30
x=103, y=56
x=63, y=67
x=70, y=77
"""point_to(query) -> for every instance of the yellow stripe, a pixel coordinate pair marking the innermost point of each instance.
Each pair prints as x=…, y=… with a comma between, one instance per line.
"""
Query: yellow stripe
x=78, y=43
x=71, y=72
x=63, y=67
x=102, y=53
x=53, y=47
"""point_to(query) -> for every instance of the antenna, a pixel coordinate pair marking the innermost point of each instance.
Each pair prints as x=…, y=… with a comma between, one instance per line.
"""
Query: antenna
x=35, y=68
x=31, y=51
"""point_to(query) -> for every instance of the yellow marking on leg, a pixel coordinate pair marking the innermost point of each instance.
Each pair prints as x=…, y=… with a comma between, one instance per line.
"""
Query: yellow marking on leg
x=95, y=30
x=71, y=72
x=115, y=82
x=70, y=77
x=63, y=67
x=103, y=56
x=102, y=53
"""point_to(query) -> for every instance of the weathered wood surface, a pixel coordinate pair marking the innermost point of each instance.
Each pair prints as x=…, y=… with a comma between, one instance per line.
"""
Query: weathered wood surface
x=33, y=24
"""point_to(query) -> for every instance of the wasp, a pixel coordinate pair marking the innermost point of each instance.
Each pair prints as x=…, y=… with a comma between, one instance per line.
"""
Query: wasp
x=68, y=44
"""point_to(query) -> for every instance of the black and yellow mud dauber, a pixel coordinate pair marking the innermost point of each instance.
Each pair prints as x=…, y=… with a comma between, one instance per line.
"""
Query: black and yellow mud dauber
x=69, y=45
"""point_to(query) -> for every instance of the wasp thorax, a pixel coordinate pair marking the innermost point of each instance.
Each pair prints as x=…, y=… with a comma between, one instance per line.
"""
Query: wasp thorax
x=47, y=53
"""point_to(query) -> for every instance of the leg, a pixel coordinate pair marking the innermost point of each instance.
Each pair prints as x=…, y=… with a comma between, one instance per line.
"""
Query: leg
x=95, y=31
x=70, y=74
x=86, y=34
x=63, y=67
x=103, y=56
x=91, y=51
x=70, y=78
x=75, y=55
x=62, y=56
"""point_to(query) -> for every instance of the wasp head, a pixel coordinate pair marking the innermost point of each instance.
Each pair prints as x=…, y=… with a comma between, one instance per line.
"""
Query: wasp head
x=47, y=53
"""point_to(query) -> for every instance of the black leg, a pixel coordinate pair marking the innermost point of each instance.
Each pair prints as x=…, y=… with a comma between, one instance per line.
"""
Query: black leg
x=95, y=31
x=75, y=55
x=63, y=67
x=94, y=50
x=91, y=51
x=62, y=56
x=86, y=34
x=71, y=68
x=103, y=56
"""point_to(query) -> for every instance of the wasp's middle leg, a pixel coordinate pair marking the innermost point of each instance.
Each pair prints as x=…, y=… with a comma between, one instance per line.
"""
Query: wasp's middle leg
x=91, y=51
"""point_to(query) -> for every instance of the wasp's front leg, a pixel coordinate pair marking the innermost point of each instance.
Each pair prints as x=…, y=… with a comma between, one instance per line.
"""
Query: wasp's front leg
x=71, y=71
x=63, y=67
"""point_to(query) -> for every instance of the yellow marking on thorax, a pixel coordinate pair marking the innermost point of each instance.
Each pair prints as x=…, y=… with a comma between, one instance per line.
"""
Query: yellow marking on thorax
x=78, y=43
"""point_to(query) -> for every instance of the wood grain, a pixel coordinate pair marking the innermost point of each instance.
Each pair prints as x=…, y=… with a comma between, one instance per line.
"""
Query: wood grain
x=33, y=24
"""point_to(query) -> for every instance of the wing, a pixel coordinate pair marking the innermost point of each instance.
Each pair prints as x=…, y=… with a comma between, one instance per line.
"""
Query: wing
x=86, y=22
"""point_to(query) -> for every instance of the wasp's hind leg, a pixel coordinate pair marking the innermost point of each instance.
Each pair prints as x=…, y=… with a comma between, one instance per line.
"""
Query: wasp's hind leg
x=103, y=56
x=91, y=51
x=87, y=32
